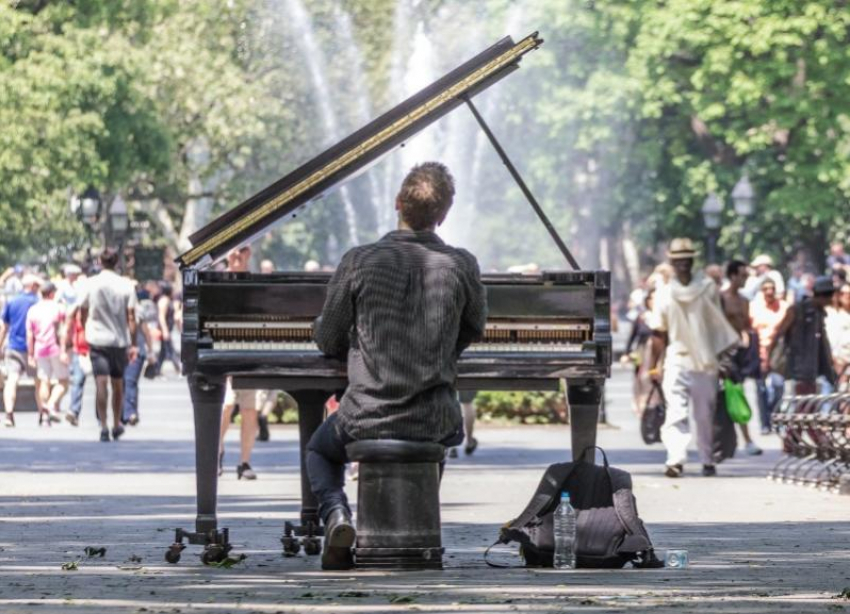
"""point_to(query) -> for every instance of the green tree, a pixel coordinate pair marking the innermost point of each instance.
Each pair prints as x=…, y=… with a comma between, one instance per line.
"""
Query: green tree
x=73, y=116
x=732, y=86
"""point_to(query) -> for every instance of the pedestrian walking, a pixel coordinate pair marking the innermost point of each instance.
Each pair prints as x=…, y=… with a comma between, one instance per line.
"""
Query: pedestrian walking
x=145, y=356
x=247, y=401
x=467, y=408
x=47, y=352
x=81, y=366
x=108, y=309
x=165, y=316
x=808, y=353
x=736, y=308
x=690, y=331
x=838, y=330
x=14, y=325
x=636, y=354
x=67, y=290
x=763, y=268
x=766, y=317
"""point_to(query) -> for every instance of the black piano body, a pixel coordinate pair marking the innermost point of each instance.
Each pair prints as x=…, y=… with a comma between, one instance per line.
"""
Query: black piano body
x=542, y=329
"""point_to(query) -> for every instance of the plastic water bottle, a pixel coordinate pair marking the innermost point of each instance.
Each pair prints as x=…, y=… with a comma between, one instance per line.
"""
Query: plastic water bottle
x=565, y=534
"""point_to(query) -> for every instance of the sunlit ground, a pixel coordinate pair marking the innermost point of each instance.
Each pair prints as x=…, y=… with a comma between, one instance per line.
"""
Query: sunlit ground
x=754, y=545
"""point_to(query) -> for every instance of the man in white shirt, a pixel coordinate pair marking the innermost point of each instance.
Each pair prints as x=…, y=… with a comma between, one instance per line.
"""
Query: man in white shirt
x=108, y=310
x=690, y=330
x=763, y=267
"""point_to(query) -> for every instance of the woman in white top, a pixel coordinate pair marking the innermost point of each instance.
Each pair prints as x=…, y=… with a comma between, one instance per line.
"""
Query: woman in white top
x=838, y=331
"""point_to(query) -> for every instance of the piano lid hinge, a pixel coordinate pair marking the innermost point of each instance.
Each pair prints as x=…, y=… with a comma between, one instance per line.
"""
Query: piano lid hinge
x=190, y=276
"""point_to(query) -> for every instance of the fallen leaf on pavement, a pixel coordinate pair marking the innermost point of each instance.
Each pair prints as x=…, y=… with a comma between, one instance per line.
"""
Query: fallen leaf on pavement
x=230, y=562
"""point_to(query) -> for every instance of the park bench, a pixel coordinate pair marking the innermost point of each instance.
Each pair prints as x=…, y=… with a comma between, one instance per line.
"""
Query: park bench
x=815, y=433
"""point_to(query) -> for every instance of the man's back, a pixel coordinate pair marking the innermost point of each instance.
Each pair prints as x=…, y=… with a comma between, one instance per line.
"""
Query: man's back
x=412, y=304
x=107, y=296
x=15, y=318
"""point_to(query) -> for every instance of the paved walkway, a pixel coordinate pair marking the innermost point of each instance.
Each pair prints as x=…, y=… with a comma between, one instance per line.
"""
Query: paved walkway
x=755, y=546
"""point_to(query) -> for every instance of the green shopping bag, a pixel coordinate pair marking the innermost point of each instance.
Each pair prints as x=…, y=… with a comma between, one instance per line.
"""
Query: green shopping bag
x=736, y=403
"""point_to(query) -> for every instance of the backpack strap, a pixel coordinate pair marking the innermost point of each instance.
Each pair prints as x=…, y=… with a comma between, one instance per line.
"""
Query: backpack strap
x=605, y=464
x=604, y=456
x=550, y=485
x=657, y=389
x=491, y=563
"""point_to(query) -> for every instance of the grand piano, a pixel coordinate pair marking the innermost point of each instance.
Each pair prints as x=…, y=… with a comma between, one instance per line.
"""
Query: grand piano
x=542, y=329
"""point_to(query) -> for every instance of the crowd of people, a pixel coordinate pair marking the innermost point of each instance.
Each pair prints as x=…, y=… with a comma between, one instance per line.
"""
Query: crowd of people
x=740, y=321
x=81, y=325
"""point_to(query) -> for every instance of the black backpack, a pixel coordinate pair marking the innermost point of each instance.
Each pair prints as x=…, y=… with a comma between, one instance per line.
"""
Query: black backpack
x=609, y=532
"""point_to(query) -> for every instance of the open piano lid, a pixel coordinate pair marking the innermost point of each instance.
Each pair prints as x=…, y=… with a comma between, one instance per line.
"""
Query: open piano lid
x=343, y=160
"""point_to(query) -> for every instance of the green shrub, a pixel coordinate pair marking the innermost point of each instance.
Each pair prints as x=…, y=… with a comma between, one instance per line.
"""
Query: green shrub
x=522, y=407
x=490, y=406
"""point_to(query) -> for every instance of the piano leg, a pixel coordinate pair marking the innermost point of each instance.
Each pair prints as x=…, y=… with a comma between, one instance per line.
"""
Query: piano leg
x=311, y=413
x=584, y=398
x=207, y=399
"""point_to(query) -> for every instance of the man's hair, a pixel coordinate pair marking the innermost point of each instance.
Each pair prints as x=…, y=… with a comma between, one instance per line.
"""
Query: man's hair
x=426, y=195
x=109, y=258
x=734, y=267
x=48, y=289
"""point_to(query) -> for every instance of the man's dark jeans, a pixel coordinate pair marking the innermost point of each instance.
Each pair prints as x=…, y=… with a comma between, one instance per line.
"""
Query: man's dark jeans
x=326, y=459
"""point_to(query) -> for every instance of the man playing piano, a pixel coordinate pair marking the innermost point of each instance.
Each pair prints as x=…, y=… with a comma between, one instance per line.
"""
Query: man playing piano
x=401, y=311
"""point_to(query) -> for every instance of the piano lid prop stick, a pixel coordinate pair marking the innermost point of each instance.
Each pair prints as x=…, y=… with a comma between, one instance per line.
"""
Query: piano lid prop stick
x=515, y=174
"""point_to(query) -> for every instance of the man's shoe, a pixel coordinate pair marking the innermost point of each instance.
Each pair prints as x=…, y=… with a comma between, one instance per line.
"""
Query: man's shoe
x=244, y=471
x=765, y=430
x=674, y=471
x=104, y=435
x=72, y=419
x=263, y=434
x=709, y=471
x=117, y=432
x=9, y=420
x=133, y=420
x=471, y=446
x=752, y=449
x=339, y=539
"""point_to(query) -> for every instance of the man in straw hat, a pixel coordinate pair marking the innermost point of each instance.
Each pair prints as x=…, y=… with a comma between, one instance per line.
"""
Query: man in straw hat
x=691, y=332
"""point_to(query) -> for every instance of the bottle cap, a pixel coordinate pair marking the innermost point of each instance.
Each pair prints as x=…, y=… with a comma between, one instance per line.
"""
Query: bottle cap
x=565, y=495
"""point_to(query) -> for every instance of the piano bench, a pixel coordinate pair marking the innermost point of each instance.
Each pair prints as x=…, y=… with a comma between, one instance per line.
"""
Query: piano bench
x=398, y=504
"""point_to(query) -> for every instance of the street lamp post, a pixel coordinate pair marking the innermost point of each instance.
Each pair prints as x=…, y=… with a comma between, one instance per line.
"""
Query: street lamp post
x=87, y=207
x=743, y=198
x=119, y=223
x=712, y=208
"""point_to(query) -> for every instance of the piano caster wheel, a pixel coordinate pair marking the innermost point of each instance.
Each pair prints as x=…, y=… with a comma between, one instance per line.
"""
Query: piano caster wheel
x=312, y=546
x=291, y=545
x=214, y=554
x=172, y=555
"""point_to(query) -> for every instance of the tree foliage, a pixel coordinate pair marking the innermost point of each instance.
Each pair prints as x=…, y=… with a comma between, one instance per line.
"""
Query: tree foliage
x=626, y=119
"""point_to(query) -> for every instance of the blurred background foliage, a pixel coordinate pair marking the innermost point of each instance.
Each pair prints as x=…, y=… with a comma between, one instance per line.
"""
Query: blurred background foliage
x=630, y=114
